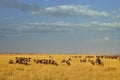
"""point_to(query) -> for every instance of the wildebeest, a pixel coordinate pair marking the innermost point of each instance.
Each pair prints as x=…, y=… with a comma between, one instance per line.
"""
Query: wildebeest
x=112, y=56
x=89, y=56
x=51, y=61
x=83, y=60
x=97, y=62
x=77, y=56
x=66, y=61
x=11, y=62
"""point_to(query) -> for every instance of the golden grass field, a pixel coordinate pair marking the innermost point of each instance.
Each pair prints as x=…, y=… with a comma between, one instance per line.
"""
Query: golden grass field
x=76, y=71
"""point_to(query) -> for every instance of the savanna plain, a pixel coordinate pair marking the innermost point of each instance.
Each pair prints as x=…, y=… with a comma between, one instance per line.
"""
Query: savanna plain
x=77, y=70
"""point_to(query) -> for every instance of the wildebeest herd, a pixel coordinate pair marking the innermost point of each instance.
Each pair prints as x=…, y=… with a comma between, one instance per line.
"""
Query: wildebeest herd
x=97, y=60
x=46, y=61
x=24, y=60
x=20, y=60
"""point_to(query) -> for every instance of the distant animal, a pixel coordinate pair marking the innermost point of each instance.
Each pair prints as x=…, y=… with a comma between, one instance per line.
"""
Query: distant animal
x=53, y=62
x=50, y=56
x=11, y=62
x=92, y=62
x=83, y=60
x=89, y=56
x=97, y=62
x=67, y=61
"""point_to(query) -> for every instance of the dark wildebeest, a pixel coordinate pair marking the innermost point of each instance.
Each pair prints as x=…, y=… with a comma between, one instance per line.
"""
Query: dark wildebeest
x=98, y=61
x=92, y=62
x=11, y=62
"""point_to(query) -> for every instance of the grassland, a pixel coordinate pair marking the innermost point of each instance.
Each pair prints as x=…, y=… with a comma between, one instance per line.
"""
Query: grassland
x=76, y=71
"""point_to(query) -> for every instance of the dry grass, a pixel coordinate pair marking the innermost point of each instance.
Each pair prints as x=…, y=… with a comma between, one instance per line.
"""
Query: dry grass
x=77, y=70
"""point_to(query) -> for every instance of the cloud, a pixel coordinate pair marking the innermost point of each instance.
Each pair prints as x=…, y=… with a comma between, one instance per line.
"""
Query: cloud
x=106, y=38
x=8, y=18
x=71, y=27
x=104, y=26
x=17, y=4
x=69, y=24
x=61, y=10
x=33, y=28
x=43, y=27
x=46, y=0
x=72, y=10
x=116, y=15
x=60, y=27
x=103, y=39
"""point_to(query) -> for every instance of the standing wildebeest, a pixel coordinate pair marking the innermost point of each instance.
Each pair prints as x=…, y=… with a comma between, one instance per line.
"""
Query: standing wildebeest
x=66, y=61
x=98, y=61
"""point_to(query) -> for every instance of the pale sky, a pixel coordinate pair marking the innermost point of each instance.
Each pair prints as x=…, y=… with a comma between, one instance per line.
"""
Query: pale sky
x=60, y=26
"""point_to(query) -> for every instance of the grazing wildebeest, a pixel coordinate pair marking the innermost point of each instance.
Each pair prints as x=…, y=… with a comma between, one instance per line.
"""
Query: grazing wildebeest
x=53, y=62
x=46, y=61
x=89, y=56
x=36, y=60
x=43, y=61
x=22, y=60
x=50, y=56
x=83, y=60
x=11, y=62
x=111, y=56
x=75, y=56
x=93, y=62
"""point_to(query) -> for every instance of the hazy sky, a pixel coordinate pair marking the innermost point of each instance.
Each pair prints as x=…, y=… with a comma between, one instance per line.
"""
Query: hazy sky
x=60, y=26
